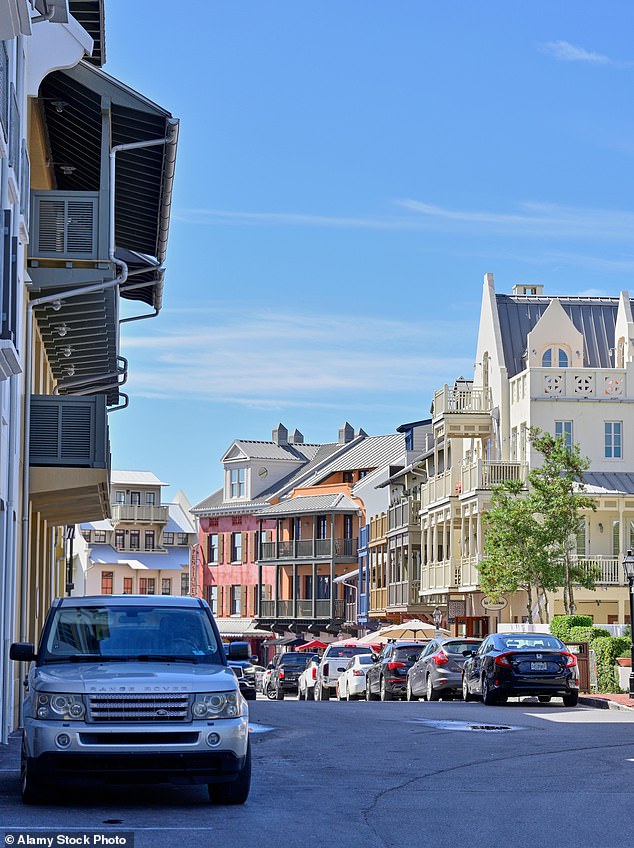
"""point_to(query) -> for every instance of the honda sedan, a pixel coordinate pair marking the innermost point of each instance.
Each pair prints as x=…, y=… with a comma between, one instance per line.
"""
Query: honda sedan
x=508, y=664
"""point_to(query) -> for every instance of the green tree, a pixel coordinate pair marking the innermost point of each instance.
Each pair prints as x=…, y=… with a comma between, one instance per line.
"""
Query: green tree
x=557, y=494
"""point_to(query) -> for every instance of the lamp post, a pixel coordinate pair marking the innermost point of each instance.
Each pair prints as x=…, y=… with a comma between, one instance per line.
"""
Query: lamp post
x=628, y=568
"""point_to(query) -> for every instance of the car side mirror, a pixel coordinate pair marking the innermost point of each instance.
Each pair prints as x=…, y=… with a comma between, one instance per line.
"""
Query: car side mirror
x=467, y=653
x=271, y=665
x=374, y=657
x=22, y=651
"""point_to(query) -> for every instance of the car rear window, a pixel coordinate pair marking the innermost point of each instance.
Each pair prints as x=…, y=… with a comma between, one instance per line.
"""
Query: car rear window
x=460, y=647
x=409, y=653
x=529, y=643
x=347, y=652
x=296, y=659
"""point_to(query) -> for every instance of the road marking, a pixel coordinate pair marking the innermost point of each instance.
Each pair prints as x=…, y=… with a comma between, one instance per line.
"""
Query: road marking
x=583, y=716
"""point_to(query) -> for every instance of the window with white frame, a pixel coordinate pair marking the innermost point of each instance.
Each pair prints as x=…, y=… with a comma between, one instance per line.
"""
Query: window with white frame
x=168, y=538
x=212, y=548
x=236, y=547
x=212, y=598
x=235, y=600
x=237, y=482
x=613, y=439
x=150, y=498
x=616, y=538
x=119, y=497
x=564, y=428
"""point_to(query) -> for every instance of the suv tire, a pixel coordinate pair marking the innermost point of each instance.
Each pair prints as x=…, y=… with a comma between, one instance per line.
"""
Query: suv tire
x=31, y=788
x=237, y=791
x=279, y=693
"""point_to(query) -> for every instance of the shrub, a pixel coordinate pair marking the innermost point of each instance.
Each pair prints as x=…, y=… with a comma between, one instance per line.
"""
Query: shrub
x=606, y=651
x=561, y=625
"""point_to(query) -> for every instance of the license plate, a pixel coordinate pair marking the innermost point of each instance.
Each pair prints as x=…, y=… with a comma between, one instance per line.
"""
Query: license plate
x=539, y=666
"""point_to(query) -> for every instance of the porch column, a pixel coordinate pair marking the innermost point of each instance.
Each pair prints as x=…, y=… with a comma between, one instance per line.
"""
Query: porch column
x=623, y=540
x=277, y=590
x=333, y=588
x=479, y=536
x=258, y=605
x=314, y=532
x=314, y=597
x=295, y=590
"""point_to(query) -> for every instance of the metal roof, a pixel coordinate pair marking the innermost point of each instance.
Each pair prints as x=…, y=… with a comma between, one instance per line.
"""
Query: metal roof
x=271, y=450
x=594, y=317
x=179, y=521
x=368, y=453
x=611, y=482
x=90, y=14
x=238, y=627
x=308, y=504
x=135, y=478
x=176, y=559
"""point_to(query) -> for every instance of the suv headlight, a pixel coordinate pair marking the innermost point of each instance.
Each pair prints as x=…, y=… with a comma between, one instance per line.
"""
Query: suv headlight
x=53, y=705
x=217, y=705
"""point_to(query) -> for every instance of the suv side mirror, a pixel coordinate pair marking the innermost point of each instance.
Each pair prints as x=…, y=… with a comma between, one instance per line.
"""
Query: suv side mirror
x=374, y=657
x=271, y=665
x=22, y=651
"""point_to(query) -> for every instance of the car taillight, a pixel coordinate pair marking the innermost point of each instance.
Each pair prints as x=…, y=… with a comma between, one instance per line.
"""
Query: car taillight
x=571, y=660
x=503, y=659
x=392, y=665
x=440, y=658
x=314, y=672
x=326, y=667
x=357, y=672
x=281, y=674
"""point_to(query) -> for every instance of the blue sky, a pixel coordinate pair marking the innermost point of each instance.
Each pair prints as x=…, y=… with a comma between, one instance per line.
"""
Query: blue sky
x=348, y=170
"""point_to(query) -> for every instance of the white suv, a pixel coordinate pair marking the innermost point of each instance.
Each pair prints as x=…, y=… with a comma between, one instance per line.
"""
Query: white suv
x=132, y=689
x=333, y=662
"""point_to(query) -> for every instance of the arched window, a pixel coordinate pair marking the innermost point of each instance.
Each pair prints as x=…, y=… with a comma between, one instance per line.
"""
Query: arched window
x=555, y=354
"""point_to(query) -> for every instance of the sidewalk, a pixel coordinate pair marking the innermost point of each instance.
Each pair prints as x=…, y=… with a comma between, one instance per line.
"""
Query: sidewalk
x=607, y=702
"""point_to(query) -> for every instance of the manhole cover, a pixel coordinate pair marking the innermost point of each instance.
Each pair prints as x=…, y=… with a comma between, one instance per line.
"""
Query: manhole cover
x=467, y=725
x=259, y=728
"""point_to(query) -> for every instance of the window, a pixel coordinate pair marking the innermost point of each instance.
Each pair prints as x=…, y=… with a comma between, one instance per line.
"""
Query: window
x=212, y=547
x=297, y=529
x=613, y=439
x=323, y=587
x=616, y=538
x=150, y=498
x=107, y=579
x=168, y=538
x=322, y=527
x=348, y=477
x=581, y=538
x=99, y=536
x=147, y=586
x=212, y=598
x=166, y=585
x=184, y=583
x=134, y=540
x=127, y=585
x=237, y=477
x=119, y=497
x=235, y=600
x=181, y=538
x=119, y=540
x=236, y=547
x=347, y=527
x=135, y=498
x=555, y=354
x=564, y=428
x=149, y=540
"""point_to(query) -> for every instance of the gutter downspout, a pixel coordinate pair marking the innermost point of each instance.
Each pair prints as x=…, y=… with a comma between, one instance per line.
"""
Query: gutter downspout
x=41, y=301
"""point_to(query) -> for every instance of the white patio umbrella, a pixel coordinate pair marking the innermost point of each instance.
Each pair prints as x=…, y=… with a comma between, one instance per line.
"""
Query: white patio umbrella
x=413, y=629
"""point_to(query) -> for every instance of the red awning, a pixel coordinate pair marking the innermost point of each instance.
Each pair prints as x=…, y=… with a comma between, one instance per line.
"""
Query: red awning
x=312, y=646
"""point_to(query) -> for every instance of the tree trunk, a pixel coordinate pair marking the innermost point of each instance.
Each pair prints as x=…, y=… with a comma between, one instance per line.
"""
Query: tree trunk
x=529, y=606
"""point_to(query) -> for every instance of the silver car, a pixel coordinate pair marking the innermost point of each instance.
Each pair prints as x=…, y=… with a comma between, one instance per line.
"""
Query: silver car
x=438, y=671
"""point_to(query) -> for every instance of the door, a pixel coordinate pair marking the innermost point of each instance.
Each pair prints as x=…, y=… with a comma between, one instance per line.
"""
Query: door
x=472, y=625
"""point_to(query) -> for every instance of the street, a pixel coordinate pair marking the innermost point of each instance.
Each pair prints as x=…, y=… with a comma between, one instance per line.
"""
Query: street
x=378, y=774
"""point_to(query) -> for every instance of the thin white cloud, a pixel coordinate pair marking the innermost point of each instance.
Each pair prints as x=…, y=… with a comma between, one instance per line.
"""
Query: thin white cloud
x=530, y=219
x=268, y=360
x=564, y=51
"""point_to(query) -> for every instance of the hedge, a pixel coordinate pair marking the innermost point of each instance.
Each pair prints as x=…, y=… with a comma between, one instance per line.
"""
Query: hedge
x=578, y=628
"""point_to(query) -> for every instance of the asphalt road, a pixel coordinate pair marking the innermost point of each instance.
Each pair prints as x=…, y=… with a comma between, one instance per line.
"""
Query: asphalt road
x=387, y=774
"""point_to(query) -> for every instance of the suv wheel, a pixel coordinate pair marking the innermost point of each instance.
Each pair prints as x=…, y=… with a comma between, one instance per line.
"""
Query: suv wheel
x=237, y=791
x=385, y=695
x=31, y=788
x=279, y=693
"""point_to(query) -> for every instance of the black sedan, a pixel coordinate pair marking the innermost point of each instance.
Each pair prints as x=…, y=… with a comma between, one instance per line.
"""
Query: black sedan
x=508, y=664
x=386, y=678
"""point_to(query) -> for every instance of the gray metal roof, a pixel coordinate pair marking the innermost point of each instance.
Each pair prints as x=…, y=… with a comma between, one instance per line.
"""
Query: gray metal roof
x=617, y=482
x=271, y=450
x=594, y=317
x=309, y=504
x=90, y=14
x=368, y=453
x=135, y=478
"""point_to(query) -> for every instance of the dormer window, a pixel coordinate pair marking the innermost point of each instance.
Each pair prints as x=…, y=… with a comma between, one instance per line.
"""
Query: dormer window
x=555, y=354
x=237, y=478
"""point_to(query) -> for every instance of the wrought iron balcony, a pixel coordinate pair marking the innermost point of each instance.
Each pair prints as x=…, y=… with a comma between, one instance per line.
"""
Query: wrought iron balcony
x=301, y=608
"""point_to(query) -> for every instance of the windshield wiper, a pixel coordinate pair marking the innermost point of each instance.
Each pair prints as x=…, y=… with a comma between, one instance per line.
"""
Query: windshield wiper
x=165, y=658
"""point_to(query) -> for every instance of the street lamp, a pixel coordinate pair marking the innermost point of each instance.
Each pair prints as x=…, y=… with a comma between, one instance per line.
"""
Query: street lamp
x=628, y=568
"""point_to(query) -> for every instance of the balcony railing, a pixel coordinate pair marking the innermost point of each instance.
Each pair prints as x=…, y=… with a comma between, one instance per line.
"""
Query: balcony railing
x=378, y=599
x=449, y=401
x=440, y=487
x=304, y=607
x=146, y=549
x=403, y=514
x=609, y=569
x=576, y=383
x=436, y=576
x=146, y=513
x=309, y=549
x=466, y=572
x=403, y=593
x=484, y=475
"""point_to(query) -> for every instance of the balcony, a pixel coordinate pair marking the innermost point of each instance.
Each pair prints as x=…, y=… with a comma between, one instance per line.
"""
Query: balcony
x=609, y=569
x=309, y=549
x=465, y=412
x=466, y=574
x=575, y=384
x=301, y=608
x=69, y=458
x=440, y=487
x=484, y=475
x=378, y=600
x=137, y=514
x=403, y=515
x=128, y=548
x=436, y=577
x=403, y=594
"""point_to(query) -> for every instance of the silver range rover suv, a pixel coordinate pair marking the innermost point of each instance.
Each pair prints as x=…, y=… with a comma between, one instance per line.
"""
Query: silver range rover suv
x=132, y=689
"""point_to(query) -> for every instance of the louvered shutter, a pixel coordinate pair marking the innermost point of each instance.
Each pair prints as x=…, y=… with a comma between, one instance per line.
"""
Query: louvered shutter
x=243, y=600
x=245, y=547
x=221, y=548
x=221, y=600
x=65, y=224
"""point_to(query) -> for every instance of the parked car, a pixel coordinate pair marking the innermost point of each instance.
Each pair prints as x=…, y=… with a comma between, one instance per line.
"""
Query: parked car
x=386, y=678
x=259, y=672
x=333, y=662
x=134, y=689
x=438, y=670
x=351, y=683
x=306, y=681
x=508, y=664
x=285, y=672
x=246, y=683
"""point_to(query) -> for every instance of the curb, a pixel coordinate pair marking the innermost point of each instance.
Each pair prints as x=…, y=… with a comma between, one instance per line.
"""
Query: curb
x=604, y=704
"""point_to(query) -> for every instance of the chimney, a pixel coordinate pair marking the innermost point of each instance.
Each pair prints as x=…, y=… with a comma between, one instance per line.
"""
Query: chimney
x=346, y=434
x=280, y=435
x=296, y=438
x=522, y=289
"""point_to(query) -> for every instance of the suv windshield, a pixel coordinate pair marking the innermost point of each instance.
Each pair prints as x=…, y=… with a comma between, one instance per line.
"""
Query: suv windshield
x=78, y=633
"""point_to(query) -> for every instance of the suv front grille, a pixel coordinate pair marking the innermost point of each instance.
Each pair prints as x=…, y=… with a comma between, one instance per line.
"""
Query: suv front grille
x=138, y=707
